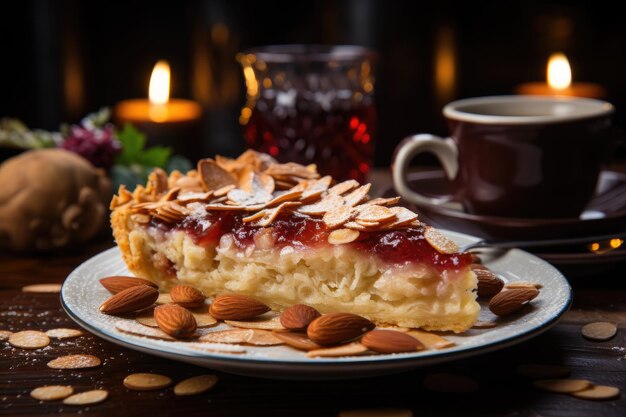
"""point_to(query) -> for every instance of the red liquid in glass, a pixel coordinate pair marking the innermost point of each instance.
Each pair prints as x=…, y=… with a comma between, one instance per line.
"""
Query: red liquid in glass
x=340, y=140
x=394, y=246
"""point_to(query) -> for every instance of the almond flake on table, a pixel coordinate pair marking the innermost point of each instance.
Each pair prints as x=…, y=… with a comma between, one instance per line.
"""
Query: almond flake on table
x=195, y=385
x=42, y=288
x=64, y=333
x=88, y=397
x=146, y=381
x=51, y=392
x=29, y=339
x=78, y=361
x=599, y=331
x=5, y=334
x=597, y=392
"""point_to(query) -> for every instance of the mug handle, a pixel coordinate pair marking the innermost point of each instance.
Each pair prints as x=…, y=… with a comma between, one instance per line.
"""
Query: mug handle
x=443, y=148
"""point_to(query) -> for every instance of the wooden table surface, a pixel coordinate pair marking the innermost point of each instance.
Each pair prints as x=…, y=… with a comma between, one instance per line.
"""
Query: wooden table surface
x=598, y=296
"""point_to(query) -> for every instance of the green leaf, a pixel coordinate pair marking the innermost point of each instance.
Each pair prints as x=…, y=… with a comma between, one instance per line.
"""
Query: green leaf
x=155, y=156
x=133, y=142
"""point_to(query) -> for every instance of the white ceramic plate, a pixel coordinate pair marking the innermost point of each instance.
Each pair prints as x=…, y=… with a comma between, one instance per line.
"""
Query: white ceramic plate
x=82, y=294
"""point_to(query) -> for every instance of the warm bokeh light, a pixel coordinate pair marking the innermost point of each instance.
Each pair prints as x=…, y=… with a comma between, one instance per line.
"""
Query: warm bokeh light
x=559, y=71
x=159, y=91
x=616, y=243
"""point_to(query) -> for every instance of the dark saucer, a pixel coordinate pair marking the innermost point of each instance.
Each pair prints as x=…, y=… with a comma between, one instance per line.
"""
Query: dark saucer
x=605, y=214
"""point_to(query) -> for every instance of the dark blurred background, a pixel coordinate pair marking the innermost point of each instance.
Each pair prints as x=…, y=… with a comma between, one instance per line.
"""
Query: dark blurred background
x=65, y=58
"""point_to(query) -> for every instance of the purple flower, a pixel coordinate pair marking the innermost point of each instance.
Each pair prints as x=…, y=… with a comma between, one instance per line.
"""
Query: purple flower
x=97, y=145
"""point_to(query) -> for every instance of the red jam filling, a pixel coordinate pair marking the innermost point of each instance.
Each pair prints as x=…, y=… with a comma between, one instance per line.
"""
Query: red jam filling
x=394, y=246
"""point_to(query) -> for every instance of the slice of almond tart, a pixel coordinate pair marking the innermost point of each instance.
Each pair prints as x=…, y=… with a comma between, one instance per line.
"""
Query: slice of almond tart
x=284, y=235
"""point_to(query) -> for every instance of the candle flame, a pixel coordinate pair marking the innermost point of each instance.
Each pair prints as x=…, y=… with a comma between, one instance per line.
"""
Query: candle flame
x=159, y=91
x=559, y=71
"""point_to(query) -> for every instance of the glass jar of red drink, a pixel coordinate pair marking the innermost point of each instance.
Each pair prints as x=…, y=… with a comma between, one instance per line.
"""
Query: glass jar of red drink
x=311, y=104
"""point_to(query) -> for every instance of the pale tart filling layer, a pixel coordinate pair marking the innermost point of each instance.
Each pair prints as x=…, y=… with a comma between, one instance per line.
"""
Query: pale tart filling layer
x=331, y=278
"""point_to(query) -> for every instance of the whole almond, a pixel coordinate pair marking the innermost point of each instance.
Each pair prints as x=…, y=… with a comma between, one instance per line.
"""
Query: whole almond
x=390, y=341
x=187, y=296
x=298, y=317
x=130, y=300
x=509, y=301
x=175, y=320
x=236, y=307
x=488, y=283
x=116, y=284
x=335, y=328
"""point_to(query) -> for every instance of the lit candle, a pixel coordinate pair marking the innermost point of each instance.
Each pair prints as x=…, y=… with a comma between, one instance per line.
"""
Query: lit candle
x=559, y=82
x=165, y=121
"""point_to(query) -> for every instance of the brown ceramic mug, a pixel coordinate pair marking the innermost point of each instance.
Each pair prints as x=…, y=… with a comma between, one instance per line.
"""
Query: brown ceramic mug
x=515, y=156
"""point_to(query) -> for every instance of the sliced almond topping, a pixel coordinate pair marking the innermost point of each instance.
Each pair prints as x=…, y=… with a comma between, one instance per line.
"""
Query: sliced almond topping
x=262, y=323
x=431, y=340
x=252, y=182
x=52, y=392
x=189, y=184
x=357, y=196
x=404, y=218
x=157, y=182
x=75, y=362
x=291, y=169
x=140, y=218
x=375, y=214
x=146, y=381
x=284, y=197
x=220, y=192
x=597, y=392
x=562, y=386
x=235, y=336
x=195, y=198
x=339, y=216
x=171, y=194
x=87, y=397
x=351, y=349
x=212, y=176
x=270, y=214
x=244, y=198
x=63, y=333
x=384, y=201
x=439, y=241
x=29, y=339
x=138, y=329
x=224, y=207
x=329, y=202
x=343, y=187
x=356, y=226
x=195, y=385
x=42, y=288
x=342, y=236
